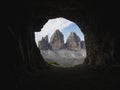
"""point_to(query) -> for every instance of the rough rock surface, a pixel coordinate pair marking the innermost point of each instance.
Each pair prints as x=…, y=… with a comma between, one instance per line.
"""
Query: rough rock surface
x=57, y=40
x=83, y=44
x=73, y=42
x=44, y=44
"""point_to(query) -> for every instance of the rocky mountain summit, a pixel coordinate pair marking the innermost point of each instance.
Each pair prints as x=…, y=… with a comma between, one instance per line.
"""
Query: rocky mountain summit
x=44, y=44
x=67, y=54
x=73, y=42
x=57, y=42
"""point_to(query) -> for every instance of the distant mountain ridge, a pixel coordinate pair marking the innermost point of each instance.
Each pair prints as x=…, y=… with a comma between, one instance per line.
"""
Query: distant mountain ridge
x=57, y=42
x=66, y=54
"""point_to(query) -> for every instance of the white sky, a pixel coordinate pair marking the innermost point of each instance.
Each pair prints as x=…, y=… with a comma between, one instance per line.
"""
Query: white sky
x=58, y=23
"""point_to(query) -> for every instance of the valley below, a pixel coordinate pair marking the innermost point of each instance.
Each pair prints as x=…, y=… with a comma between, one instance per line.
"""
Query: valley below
x=64, y=58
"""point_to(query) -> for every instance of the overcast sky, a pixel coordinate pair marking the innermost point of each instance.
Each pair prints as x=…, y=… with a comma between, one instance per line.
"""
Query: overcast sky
x=65, y=26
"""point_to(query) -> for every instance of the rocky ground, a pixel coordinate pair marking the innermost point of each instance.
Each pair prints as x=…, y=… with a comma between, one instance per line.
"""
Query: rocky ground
x=64, y=58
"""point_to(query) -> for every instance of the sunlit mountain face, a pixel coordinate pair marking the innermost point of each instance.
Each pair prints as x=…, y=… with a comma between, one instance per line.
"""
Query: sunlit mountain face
x=61, y=43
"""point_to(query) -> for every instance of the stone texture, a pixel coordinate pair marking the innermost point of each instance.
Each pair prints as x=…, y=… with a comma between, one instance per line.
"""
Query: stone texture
x=73, y=42
x=44, y=44
x=83, y=45
x=57, y=40
x=25, y=66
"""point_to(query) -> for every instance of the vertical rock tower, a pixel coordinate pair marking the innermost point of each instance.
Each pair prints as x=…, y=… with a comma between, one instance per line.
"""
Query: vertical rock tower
x=73, y=42
x=57, y=40
x=44, y=44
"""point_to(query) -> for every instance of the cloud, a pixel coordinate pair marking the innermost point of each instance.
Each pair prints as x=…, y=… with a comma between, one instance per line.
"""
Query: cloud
x=50, y=27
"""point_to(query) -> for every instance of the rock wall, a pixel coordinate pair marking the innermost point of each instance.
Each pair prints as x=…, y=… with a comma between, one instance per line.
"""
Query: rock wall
x=25, y=65
x=57, y=40
x=83, y=45
x=73, y=42
x=44, y=44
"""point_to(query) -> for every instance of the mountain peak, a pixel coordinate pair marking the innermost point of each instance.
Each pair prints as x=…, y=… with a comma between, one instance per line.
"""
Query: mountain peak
x=73, y=42
x=57, y=30
x=72, y=33
x=57, y=40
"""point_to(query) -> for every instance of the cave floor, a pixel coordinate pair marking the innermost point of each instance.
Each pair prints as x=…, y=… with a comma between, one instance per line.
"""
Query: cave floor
x=81, y=77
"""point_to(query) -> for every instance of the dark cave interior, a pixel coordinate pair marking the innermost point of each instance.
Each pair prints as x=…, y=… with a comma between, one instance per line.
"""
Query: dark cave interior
x=97, y=20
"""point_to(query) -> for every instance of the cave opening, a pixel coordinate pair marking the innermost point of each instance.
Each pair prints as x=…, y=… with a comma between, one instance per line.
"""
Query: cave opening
x=61, y=43
x=25, y=65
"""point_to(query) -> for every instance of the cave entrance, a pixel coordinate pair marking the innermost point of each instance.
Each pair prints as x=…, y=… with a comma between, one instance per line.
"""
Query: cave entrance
x=61, y=43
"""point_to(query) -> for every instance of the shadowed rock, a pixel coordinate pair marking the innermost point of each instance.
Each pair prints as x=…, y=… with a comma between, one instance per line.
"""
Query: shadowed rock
x=83, y=45
x=57, y=40
x=73, y=42
x=44, y=44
